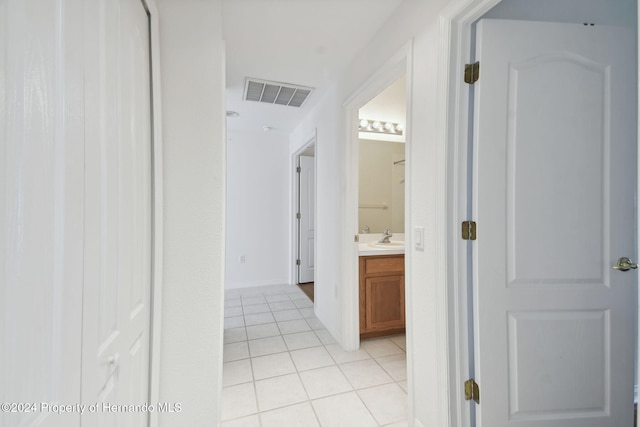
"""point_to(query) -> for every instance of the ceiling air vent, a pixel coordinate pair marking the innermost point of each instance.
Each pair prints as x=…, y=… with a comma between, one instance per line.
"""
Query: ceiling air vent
x=276, y=93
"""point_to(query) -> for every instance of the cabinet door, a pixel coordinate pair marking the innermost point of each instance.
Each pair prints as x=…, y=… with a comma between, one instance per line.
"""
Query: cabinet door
x=384, y=297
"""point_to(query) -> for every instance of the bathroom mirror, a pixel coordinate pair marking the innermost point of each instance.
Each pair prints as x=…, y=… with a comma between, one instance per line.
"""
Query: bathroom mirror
x=381, y=188
x=381, y=195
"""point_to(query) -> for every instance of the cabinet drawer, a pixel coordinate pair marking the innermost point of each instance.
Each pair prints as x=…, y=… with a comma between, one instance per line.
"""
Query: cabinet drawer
x=384, y=264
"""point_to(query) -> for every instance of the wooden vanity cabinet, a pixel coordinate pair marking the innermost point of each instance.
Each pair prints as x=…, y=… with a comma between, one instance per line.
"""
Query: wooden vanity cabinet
x=381, y=295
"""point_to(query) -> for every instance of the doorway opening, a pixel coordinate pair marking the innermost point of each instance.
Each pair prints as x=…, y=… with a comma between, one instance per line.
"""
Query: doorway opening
x=381, y=212
x=396, y=72
x=304, y=205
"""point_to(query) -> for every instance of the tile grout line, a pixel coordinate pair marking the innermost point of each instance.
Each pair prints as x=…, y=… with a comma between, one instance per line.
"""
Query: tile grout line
x=297, y=371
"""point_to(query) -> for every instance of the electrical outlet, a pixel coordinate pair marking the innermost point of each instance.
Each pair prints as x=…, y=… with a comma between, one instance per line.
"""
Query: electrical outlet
x=242, y=259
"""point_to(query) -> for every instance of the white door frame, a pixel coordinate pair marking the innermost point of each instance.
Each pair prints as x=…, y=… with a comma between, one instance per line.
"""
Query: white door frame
x=453, y=101
x=397, y=66
x=295, y=194
x=156, y=210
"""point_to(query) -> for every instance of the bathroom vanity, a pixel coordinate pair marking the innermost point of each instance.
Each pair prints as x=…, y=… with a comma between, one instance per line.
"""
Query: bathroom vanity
x=381, y=295
x=381, y=292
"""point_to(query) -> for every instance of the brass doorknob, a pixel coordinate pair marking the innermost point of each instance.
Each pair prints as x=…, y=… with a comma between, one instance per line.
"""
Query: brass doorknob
x=625, y=264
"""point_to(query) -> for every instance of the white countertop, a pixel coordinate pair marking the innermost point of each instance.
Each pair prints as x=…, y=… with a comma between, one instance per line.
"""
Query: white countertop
x=364, y=249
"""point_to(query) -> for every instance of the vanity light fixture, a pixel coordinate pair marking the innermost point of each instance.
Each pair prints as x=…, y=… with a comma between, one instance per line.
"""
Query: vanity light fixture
x=377, y=126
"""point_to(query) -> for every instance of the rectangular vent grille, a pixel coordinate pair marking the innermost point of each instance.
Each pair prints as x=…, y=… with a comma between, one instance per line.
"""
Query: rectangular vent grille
x=276, y=93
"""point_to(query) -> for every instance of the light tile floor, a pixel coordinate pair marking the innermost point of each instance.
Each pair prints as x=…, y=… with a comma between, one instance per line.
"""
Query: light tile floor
x=283, y=368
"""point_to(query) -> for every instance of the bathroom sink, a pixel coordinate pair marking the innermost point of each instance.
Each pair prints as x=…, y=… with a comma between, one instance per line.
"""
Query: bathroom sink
x=390, y=245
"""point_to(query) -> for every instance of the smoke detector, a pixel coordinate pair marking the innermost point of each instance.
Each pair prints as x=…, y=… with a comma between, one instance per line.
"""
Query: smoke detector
x=275, y=92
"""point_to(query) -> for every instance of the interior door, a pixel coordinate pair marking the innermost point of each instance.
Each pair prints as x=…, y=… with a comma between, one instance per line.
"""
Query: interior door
x=307, y=186
x=118, y=218
x=554, y=189
x=41, y=211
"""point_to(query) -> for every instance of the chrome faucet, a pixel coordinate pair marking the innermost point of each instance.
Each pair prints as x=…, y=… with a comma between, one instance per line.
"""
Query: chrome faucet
x=385, y=237
x=366, y=230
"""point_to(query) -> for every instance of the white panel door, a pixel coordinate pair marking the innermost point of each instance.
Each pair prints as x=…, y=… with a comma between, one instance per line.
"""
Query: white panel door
x=555, y=183
x=41, y=212
x=116, y=317
x=306, y=234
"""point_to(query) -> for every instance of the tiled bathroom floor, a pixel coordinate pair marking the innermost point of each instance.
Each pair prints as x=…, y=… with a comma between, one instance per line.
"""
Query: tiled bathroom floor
x=283, y=368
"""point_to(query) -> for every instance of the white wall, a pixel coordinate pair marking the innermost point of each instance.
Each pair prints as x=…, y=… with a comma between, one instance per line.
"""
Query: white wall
x=258, y=214
x=604, y=12
x=417, y=21
x=329, y=169
x=192, y=72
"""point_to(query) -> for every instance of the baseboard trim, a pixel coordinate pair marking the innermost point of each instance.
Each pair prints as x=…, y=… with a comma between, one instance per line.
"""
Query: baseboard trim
x=241, y=285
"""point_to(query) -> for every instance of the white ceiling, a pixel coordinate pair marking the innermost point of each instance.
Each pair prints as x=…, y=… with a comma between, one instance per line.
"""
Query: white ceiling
x=390, y=105
x=303, y=42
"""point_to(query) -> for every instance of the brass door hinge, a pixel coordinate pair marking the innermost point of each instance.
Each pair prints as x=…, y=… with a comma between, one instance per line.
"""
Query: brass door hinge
x=297, y=262
x=469, y=230
x=471, y=73
x=472, y=390
x=298, y=169
x=298, y=216
x=356, y=238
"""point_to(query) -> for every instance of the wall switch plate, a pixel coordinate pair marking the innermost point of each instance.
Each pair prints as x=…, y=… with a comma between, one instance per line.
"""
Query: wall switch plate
x=418, y=238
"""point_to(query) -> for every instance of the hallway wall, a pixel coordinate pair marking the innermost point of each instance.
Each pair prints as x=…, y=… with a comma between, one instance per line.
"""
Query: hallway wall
x=417, y=21
x=258, y=215
x=192, y=73
x=326, y=119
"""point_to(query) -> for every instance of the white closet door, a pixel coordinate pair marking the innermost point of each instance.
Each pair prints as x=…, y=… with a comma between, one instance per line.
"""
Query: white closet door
x=118, y=215
x=41, y=211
